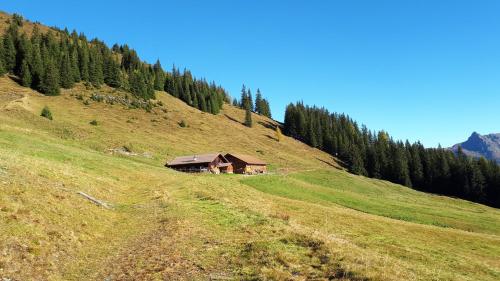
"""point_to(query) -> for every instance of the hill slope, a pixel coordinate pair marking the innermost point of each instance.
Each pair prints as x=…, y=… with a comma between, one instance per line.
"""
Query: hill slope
x=308, y=219
x=487, y=146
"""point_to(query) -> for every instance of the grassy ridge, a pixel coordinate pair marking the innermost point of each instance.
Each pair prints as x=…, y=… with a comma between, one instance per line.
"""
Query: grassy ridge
x=381, y=198
x=417, y=244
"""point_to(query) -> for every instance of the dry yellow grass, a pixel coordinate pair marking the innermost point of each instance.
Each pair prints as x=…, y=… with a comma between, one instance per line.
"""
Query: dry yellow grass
x=169, y=225
x=26, y=28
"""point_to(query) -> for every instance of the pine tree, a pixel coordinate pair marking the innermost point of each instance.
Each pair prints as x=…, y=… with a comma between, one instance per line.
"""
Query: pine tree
x=25, y=74
x=248, y=118
x=23, y=53
x=266, y=110
x=138, y=85
x=9, y=52
x=75, y=69
x=84, y=60
x=96, y=75
x=37, y=69
x=203, y=103
x=159, y=82
x=249, y=104
x=113, y=77
x=50, y=81
x=244, y=98
x=196, y=103
x=3, y=69
x=258, y=103
x=66, y=74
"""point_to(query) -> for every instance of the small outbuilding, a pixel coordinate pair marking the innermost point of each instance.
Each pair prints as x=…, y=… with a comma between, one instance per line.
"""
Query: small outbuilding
x=209, y=163
x=246, y=164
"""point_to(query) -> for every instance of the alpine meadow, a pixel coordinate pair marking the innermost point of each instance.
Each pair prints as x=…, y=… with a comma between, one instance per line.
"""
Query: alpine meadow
x=114, y=168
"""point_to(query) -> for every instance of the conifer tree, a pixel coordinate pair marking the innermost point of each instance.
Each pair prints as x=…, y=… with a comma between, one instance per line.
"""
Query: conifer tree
x=25, y=74
x=96, y=75
x=203, y=103
x=243, y=99
x=139, y=86
x=50, y=81
x=3, y=70
x=113, y=77
x=248, y=118
x=249, y=104
x=36, y=66
x=196, y=103
x=159, y=80
x=9, y=52
x=75, y=69
x=258, y=102
x=23, y=53
x=84, y=60
x=66, y=74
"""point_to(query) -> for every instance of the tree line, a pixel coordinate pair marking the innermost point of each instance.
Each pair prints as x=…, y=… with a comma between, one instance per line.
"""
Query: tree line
x=57, y=59
x=261, y=105
x=377, y=155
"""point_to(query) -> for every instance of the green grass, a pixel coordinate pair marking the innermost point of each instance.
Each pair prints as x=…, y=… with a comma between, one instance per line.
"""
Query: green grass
x=304, y=221
x=380, y=198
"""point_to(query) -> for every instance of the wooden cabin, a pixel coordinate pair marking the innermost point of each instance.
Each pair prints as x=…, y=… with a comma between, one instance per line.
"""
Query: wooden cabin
x=245, y=164
x=204, y=163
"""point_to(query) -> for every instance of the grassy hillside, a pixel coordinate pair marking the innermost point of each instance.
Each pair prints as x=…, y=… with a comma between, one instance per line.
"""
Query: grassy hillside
x=308, y=219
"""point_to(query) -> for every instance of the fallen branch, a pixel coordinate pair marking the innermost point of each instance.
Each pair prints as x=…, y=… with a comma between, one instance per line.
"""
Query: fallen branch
x=95, y=201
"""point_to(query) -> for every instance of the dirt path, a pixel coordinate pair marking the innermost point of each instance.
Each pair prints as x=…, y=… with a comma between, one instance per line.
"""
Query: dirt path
x=154, y=256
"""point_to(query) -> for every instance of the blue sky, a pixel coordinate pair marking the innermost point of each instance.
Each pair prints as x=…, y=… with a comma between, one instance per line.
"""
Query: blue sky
x=419, y=69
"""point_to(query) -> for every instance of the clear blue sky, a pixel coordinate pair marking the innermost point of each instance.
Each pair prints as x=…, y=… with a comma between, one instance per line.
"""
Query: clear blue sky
x=424, y=70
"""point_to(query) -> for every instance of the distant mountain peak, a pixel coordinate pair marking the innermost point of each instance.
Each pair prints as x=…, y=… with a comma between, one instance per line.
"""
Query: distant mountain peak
x=477, y=145
x=475, y=135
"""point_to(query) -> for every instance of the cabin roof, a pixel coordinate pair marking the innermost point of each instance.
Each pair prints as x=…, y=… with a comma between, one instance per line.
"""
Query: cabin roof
x=247, y=159
x=195, y=159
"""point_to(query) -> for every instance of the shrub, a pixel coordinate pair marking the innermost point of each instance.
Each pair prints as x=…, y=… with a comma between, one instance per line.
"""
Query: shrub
x=46, y=113
x=182, y=124
x=97, y=97
x=93, y=122
x=86, y=102
x=88, y=86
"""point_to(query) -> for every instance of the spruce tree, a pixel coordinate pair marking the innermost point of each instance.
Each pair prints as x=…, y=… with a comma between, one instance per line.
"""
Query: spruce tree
x=23, y=53
x=96, y=75
x=243, y=99
x=75, y=69
x=37, y=69
x=3, y=69
x=203, y=103
x=159, y=80
x=248, y=118
x=84, y=60
x=25, y=74
x=249, y=104
x=258, y=102
x=113, y=77
x=138, y=85
x=9, y=52
x=66, y=75
x=50, y=81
